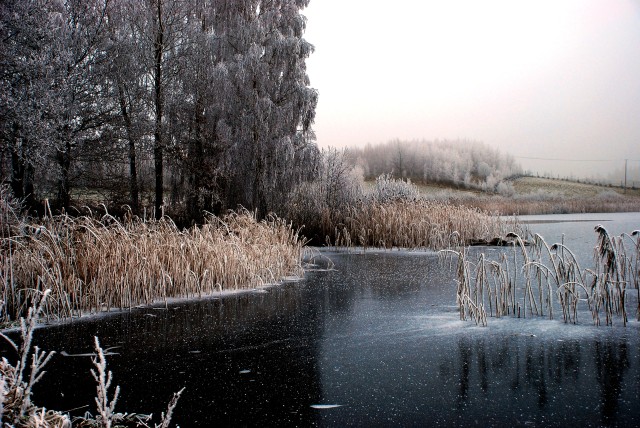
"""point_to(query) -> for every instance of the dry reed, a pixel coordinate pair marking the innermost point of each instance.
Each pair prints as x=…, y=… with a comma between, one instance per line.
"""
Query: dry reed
x=17, y=408
x=551, y=277
x=412, y=224
x=10, y=209
x=95, y=265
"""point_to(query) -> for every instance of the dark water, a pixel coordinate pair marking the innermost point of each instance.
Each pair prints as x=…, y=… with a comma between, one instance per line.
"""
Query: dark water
x=380, y=336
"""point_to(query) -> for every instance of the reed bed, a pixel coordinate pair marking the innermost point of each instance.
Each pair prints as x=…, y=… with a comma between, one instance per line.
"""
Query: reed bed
x=414, y=224
x=539, y=279
x=94, y=265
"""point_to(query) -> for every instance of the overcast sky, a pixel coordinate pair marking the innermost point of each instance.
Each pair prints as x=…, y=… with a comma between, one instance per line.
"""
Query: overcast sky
x=544, y=78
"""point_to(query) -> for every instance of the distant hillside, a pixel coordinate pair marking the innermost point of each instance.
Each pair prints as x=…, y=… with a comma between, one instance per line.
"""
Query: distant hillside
x=535, y=187
x=567, y=188
x=535, y=195
x=461, y=163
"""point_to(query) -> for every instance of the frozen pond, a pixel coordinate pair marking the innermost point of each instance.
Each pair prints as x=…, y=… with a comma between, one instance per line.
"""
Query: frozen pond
x=377, y=341
x=578, y=229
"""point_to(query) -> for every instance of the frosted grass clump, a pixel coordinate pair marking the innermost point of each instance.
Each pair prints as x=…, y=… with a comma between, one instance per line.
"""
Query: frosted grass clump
x=542, y=278
x=389, y=189
x=94, y=265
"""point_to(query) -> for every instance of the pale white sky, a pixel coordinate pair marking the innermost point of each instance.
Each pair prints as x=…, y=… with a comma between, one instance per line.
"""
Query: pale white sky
x=544, y=78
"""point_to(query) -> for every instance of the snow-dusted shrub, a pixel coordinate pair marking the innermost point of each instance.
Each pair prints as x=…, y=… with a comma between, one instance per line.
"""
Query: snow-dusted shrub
x=483, y=170
x=390, y=189
x=505, y=188
x=468, y=184
x=340, y=183
x=490, y=184
x=337, y=186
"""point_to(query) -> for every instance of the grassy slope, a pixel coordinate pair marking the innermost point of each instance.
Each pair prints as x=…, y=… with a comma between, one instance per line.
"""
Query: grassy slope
x=529, y=186
x=535, y=195
x=533, y=185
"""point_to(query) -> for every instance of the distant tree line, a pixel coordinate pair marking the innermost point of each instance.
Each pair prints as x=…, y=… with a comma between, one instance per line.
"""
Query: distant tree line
x=188, y=105
x=462, y=163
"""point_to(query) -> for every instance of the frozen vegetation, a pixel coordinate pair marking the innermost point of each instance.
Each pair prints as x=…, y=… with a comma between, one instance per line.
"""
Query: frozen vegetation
x=542, y=280
x=465, y=164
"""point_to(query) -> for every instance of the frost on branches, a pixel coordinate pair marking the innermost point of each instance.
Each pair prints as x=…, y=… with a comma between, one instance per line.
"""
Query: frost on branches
x=190, y=104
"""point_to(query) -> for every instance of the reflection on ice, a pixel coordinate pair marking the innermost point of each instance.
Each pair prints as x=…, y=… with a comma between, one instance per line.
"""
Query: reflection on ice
x=587, y=381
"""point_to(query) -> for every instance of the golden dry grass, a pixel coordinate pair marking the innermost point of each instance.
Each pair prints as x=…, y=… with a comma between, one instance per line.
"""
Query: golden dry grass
x=95, y=265
x=413, y=224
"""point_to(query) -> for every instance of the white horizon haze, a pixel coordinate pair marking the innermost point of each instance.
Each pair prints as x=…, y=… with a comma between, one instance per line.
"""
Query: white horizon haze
x=536, y=79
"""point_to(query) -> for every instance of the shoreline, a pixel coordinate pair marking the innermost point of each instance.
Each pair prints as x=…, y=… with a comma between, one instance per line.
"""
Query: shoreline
x=156, y=305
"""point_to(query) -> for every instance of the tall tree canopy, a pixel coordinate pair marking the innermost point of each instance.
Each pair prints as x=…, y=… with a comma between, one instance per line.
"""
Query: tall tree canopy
x=189, y=105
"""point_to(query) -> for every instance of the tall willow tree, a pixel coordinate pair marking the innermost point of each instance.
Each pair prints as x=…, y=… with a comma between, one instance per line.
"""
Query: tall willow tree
x=196, y=113
x=269, y=104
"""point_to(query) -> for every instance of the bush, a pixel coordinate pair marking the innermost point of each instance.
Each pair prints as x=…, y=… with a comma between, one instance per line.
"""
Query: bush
x=389, y=189
x=505, y=189
x=316, y=205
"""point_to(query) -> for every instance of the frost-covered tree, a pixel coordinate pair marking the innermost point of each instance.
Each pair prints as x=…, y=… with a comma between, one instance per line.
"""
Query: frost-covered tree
x=27, y=29
x=163, y=27
x=465, y=163
x=127, y=75
x=53, y=74
x=196, y=126
x=211, y=97
x=85, y=108
x=269, y=104
x=483, y=170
